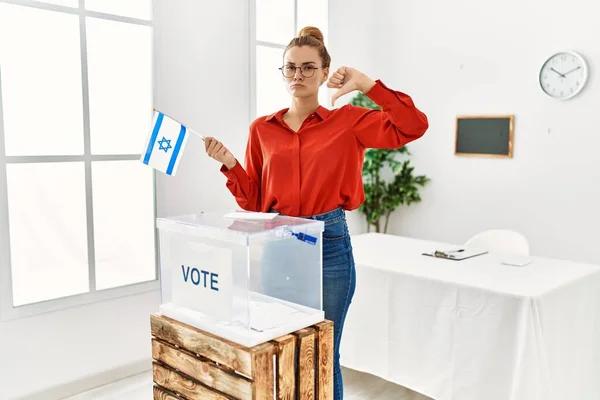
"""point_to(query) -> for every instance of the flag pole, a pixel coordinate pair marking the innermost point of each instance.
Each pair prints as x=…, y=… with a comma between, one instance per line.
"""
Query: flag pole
x=196, y=133
x=188, y=128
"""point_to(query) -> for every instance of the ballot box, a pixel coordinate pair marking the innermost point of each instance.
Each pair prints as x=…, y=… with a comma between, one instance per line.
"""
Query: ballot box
x=245, y=277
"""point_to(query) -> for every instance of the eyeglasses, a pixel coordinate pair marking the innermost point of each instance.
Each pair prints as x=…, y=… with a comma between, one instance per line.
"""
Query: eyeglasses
x=290, y=70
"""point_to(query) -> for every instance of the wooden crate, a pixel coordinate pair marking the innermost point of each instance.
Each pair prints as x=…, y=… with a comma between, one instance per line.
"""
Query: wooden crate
x=192, y=364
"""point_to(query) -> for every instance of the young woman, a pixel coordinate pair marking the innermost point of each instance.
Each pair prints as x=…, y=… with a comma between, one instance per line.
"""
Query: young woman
x=306, y=160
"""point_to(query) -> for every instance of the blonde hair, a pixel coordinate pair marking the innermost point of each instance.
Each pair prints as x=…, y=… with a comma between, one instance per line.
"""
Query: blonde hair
x=312, y=37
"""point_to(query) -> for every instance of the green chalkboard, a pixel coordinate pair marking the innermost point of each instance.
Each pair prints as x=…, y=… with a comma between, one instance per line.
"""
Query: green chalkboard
x=484, y=136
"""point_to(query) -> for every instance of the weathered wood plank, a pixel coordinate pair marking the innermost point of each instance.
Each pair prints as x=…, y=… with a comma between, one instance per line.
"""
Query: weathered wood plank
x=263, y=367
x=177, y=383
x=286, y=367
x=324, y=368
x=205, y=372
x=194, y=364
x=306, y=363
x=162, y=394
x=222, y=351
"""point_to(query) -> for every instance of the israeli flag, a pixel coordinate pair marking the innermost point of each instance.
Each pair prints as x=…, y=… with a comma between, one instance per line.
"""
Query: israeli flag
x=165, y=144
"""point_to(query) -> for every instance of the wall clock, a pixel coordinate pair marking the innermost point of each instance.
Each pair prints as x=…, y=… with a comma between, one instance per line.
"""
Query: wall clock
x=563, y=75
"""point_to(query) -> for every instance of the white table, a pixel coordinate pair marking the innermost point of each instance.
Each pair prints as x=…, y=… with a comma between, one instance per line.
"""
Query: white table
x=473, y=329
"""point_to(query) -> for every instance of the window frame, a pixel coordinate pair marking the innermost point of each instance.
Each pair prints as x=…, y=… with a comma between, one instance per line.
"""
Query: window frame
x=254, y=44
x=7, y=310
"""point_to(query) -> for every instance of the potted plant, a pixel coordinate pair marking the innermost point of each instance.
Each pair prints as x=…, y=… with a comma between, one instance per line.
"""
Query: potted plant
x=388, y=181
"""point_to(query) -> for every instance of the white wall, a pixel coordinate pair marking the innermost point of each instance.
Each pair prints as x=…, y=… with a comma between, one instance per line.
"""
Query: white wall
x=202, y=72
x=196, y=51
x=54, y=351
x=472, y=57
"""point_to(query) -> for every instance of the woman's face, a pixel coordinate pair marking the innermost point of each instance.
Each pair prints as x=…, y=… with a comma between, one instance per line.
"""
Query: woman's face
x=303, y=81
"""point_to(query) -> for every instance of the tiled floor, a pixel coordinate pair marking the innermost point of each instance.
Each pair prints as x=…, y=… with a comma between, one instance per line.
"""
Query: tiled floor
x=358, y=386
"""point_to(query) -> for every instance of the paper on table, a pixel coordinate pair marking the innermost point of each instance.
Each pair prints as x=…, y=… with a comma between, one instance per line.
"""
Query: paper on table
x=456, y=254
x=515, y=261
x=250, y=215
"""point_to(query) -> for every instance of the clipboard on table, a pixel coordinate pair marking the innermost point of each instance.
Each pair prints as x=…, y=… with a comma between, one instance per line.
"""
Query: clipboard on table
x=456, y=254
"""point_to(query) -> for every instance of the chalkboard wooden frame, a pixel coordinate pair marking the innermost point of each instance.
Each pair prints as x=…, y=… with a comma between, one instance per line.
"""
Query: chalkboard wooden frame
x=510, y=119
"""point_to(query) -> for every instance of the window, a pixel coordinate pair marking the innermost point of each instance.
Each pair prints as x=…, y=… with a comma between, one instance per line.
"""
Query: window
x=275, y=23
x=77, y=207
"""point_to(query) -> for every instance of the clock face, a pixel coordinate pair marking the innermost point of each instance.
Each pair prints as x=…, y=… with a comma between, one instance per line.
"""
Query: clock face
x=563, y=75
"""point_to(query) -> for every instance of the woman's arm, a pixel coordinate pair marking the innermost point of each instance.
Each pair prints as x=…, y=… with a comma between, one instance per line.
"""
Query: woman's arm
x=244, y=183
x=396, y=124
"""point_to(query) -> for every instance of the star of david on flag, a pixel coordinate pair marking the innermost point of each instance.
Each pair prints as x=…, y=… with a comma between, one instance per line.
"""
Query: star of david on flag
x=165, y=143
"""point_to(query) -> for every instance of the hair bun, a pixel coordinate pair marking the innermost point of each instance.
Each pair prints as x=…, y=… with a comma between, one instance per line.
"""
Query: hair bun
x=312, y=31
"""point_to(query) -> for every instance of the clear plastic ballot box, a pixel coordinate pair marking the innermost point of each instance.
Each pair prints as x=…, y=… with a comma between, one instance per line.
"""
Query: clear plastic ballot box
x=245, y=277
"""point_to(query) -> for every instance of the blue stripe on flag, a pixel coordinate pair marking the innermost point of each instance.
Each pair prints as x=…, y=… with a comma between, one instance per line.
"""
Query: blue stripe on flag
x=176, y=150
x=152, y=141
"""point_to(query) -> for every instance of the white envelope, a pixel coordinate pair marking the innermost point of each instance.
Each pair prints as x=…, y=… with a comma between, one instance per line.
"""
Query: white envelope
x=250, y=215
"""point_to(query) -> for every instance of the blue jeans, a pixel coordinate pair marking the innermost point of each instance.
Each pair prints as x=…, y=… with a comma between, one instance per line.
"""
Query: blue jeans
x=339, y=282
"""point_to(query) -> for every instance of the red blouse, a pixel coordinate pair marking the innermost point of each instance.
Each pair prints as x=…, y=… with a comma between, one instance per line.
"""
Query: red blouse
x=319, y=168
